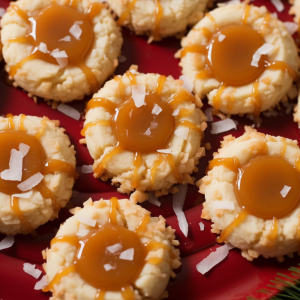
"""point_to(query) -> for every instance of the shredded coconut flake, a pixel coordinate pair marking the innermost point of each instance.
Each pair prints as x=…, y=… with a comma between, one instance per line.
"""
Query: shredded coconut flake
x=153, y=200
x=224, y=205
x=221, y=37
x=201, y=226
x=187, y=82
x=263, y=50
x=67, y=38
x=86, y=220
x=182, y=132
x=82, y=232
x=168, y=151
x=122, y=59
x=156, y=109
x=86, y=169
x=178, y=202
x=213, y=259
x=69, y=111
x=30, y=182
x=23, y=148
x=278, y=5
x=7, y=242
x=23, y=195
x=75, y=30
x=114, y=248
x=2, y=11
x=208, y=113
x=291, y=27
x=108, y=267
x=43, y=48
x=138, y=94
x=176, y=112
x=31, y=270
x=40, y=284
x=285, y=191
x=127, y=254
x=222, y=126
x=14, y=173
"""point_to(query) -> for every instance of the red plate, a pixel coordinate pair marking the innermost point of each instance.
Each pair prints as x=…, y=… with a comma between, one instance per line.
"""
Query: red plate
x=235, y=278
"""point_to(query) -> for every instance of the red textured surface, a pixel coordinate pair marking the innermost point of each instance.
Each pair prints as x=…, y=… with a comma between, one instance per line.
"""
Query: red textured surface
x=235, y=278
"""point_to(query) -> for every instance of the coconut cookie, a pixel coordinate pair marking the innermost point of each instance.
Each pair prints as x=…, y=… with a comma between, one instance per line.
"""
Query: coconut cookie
x=241, y=58
x=37, y=172
x=60, y=50
x=158, y=18
x=252, y=193
x=144, y=132
x=111, y=249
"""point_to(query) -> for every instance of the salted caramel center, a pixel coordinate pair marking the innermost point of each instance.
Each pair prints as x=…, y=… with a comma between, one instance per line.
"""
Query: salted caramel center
x=146, y=128
x=111, y=258
x=230, y=53
x=33, y=161
x=268, y=187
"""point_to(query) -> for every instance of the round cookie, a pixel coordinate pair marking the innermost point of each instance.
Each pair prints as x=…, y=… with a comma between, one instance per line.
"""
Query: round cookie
x=158, y=18
x=71, y=62
x=108, y=264
x=239, y=74
x=263, y=220
x=37, y=172
x=161, y=146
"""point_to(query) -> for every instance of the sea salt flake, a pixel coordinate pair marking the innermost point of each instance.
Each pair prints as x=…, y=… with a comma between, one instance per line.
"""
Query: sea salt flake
x=187, y=82
x=168, y=151
x=82, y=232
x=31, y=182
x=221, y=37
x=75, y=30
x=86, y=169
x=153, y=200
x=138, y=94
x=62, y=61
x=222, y=126
x=108, y=267
x=127, y=254
x=224, y=205
x=69, y=111
x=43, y=48
x=182, y=132
x=278, y=5
x=147, y=132
x=201, y=226
x=42, y=283
x=285, y=191
x=153, y=125
x=213, y=259
x=291, y=27
x=178, y=202
x=114, y=248
x=23, y=148
x=67, y=38
x=156, y=109
x=7, y=242
x=14, y=173
x=78, y=22
x=176, y=112
x=23, y=195
x=2, y=11
x=31, y=270
x=86, y=220
x=59, y=54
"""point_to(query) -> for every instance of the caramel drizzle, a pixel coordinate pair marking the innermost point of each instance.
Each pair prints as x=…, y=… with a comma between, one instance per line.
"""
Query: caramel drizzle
x=283, y=148
x=14, y=204
x=127, y=291
x=273, y=233
x=206, y=72
x=93, y=10
x=181, y=96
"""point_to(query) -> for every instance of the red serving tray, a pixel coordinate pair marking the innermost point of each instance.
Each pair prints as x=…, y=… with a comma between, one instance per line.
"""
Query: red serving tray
x=235, y=278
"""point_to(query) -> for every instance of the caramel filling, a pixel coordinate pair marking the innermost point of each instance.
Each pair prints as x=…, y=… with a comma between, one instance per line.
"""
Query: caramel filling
x=101, y=258
x=53, y=27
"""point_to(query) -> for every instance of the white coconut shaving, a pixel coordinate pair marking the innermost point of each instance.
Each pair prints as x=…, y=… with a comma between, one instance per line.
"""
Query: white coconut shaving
x=201, y=226
x=208, y=113
x=221, y=37
x=156, y=109
x=43, y=48
x=263, y=50
x=86, y=220
x=291, y=27
x=176, y=112
x=31, y=270
x=69, y=111
x=82, y=232
x=7, y=242
x=127, y=254
x=178, y=202
x=122, y=59
x=222, y=126
x=138, y=94
x=224, y=205
x=86, y=169
x=67, y=38
x=213, y=259
x=14, y=173
x=23, y=195
x=182, y=132
x=153, y=200
x=167, y=151
x=23, y=148
x=2, y=11
x=285, y=191
x=42, y=283
x=278, y=5
x=114, y=248
x=108, y=267
x=31, y=182
x=187, y=83
x=75, y=30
